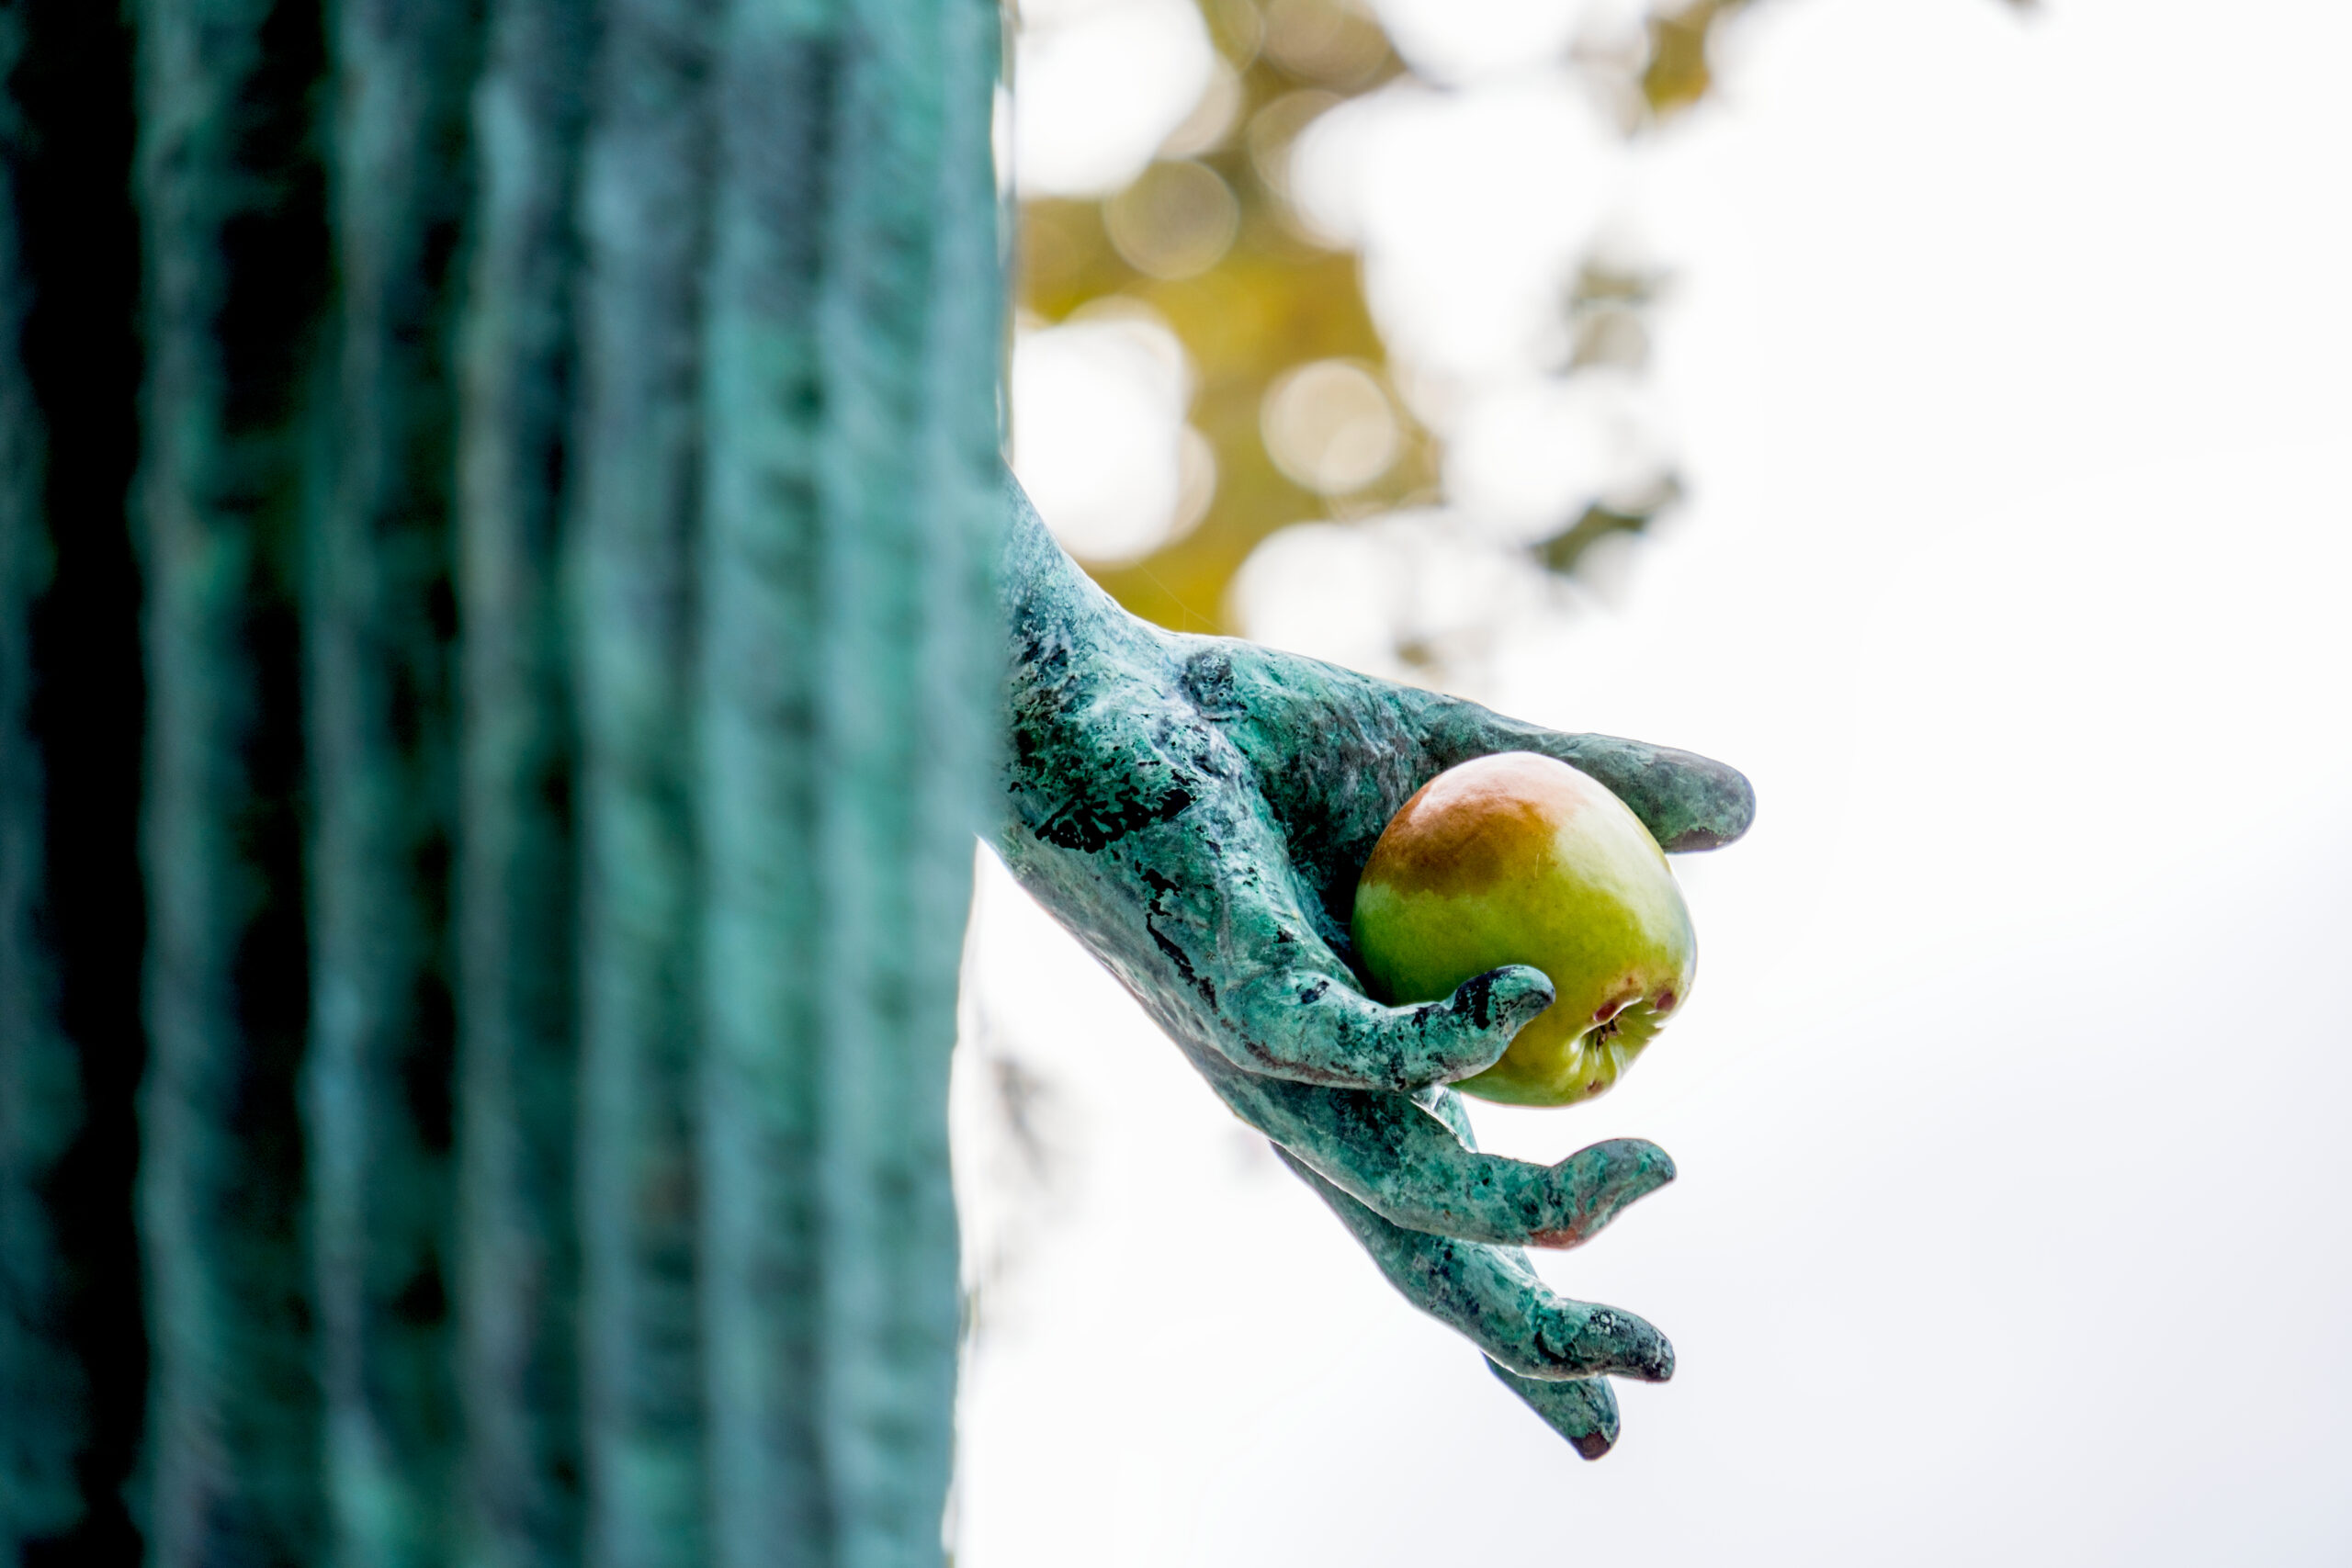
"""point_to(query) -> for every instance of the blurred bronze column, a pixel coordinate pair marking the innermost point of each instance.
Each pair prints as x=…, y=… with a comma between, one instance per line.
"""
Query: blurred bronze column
x=380, y=667
x=506, y=772
x=233, y=203
x=637, y=519
x=849, y=659
x=518, y=1015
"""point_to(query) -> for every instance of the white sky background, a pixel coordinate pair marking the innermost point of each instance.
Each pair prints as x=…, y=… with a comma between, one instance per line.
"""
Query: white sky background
x=2011, y=364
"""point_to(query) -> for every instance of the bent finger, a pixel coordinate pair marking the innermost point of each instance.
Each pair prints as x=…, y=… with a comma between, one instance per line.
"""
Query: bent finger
x=1495, y=1300
x=1305, y=1026
x=1583, y=1410
x=1405, y=1162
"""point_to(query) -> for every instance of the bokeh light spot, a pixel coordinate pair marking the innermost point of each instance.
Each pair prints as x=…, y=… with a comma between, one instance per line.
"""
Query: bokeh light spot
x=1099, y=86
x=1176, y=221
x=1099, y=437
x=1273, y=128
x=1329, y=427
x=1325, y=41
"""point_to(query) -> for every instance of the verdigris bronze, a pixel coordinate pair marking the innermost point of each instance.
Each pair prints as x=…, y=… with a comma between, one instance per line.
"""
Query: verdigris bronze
x=1195, y=810
x=501, y=539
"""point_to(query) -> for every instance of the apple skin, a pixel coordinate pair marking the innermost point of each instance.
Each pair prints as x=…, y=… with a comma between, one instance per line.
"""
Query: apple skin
x=1520, y=859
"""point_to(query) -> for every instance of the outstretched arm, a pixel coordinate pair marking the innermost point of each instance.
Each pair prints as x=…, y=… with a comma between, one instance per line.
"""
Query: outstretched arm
x=1196, y=811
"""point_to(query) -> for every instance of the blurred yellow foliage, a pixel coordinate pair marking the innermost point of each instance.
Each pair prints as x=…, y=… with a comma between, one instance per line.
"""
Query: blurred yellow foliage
x=1677, y=73
x=1206, y=239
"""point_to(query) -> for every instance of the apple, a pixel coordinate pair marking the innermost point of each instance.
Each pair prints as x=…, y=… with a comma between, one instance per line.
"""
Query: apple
x=1519, y=858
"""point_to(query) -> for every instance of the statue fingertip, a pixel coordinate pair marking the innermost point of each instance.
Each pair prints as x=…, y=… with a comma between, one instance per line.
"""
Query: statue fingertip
x=1508, y=997
x=1725, y=814
x=1647, y=1162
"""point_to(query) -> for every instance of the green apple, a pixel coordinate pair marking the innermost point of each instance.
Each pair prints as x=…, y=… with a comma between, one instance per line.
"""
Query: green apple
x=1520, y=859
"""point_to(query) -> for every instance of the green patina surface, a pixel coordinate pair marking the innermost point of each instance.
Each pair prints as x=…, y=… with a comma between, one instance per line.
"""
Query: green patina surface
x=641, y=205
x=546, y=562
x=506, y=587
x=1196, y=810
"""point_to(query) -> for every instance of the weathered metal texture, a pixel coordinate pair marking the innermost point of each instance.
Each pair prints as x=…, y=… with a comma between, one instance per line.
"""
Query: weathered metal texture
x=1197, y=809
x=643, y=455
x=568, y=501
x=440, y=301
x=848, y=660
x=233, y=206
x=72, y=1358
x=517, y=1083
x=380, y=630
x=636, y=516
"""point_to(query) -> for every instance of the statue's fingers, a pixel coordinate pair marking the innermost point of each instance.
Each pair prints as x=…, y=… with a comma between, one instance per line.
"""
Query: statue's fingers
x=1305, y=1026
x=1403, y=1161
x=1595, y=1184
x=1238, y=948
x=1687, y=801
x=1583, y=1410
x=1592, y=1184
x=1492, y=1298
x=1447, y=1107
